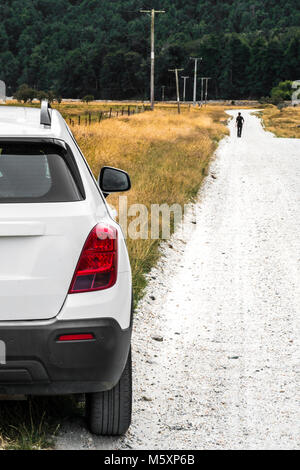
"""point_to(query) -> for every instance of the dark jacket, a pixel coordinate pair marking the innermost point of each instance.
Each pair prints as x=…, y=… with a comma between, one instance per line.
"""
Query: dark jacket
x=240, y=121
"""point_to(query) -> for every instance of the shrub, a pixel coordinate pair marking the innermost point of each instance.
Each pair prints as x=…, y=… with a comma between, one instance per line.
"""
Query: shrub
x=88, y=98
x=41, y=95
x=282, y=92
x=25, y=93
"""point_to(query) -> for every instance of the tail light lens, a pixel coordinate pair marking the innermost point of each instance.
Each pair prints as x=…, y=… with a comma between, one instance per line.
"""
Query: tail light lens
x=97, y=266
x=77, y=337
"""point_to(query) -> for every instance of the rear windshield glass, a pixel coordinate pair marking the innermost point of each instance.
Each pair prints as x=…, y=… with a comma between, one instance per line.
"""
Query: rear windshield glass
x=35, y=173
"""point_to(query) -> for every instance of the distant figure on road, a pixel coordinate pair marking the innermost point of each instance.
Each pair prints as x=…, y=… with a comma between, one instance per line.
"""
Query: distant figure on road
x=240, y=122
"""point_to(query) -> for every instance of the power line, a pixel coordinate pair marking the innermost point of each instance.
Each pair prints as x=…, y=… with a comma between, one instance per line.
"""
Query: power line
x=153, y=13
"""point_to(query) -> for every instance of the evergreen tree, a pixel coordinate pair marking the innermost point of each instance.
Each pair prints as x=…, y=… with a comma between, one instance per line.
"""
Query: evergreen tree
x=102, y=47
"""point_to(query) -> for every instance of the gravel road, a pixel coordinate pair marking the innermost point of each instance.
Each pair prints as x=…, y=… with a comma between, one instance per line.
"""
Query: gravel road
x=224, y=298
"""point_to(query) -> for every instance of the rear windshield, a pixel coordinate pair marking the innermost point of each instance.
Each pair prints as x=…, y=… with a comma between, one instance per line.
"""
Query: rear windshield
x=31, y=172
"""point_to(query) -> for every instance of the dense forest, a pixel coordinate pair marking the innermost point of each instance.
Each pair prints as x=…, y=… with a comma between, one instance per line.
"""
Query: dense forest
x=101, y=47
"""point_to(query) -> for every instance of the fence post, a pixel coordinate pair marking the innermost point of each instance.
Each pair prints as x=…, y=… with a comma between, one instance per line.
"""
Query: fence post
x=90, y=119
x=122, y=111
x=110, y=111
x=128, y=110
x=78, y=120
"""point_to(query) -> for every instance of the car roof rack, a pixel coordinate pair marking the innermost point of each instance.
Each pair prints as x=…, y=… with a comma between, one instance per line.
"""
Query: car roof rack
x=46, y=113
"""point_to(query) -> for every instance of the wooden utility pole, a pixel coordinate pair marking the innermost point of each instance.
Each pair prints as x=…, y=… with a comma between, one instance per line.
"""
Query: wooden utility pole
x=184, y=87
x=195, y=78
x=206, y=79
x=152, y=12
x=202, y=89
x=177, y=86
x=206, y=88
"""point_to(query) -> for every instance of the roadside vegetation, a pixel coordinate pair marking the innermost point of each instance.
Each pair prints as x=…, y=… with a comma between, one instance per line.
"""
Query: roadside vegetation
x=167, y=156
x=284, y=122
x=86, y=111
x=279, y=95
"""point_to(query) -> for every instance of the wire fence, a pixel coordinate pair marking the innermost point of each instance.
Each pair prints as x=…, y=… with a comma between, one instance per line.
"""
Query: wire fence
x=97, y=117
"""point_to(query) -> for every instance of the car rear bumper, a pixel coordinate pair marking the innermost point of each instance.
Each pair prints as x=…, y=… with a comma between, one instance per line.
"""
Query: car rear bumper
x=38, y=364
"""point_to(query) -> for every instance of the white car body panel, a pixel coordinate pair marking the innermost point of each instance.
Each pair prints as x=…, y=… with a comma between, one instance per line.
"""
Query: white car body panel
x=40, y=243
x=109, y=303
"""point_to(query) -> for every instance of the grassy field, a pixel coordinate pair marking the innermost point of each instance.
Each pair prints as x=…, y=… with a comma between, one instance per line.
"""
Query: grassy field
x=167, y=156
x=285, y=123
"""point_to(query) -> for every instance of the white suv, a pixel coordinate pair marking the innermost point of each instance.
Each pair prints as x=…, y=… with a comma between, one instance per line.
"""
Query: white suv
x=65, y=277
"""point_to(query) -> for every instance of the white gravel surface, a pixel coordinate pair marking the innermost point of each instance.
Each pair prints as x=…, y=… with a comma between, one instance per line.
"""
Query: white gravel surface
x=226, y=303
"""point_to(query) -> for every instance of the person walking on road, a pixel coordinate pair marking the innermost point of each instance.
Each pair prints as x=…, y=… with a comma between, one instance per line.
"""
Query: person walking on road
x=240, y=122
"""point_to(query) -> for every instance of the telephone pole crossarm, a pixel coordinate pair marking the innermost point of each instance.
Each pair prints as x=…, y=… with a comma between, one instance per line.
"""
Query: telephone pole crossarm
x=150, y=11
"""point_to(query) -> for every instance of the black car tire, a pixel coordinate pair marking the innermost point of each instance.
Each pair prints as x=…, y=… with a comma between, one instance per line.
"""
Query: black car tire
x=109, y=413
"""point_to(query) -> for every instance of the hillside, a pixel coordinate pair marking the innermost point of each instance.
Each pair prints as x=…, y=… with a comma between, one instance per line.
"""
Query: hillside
x=102, y=46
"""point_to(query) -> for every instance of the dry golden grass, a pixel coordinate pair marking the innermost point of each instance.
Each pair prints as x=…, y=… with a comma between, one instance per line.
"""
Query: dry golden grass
x=283, y=123
x=72, y=110
x=166, y=155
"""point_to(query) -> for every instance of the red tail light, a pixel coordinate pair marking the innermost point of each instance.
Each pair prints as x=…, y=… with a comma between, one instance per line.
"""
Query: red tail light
x=77, y=337
x=97, y=266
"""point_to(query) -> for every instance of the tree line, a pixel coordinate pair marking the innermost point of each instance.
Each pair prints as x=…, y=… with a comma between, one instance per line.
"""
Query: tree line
x=74, y=48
